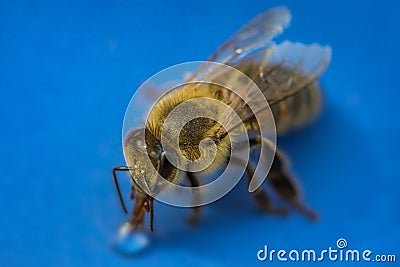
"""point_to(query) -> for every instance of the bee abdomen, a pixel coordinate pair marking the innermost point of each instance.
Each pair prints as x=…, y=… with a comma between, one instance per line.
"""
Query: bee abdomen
x=298, y=109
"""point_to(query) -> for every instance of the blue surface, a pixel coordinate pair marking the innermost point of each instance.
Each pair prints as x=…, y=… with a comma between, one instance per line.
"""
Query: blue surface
x=68, y=70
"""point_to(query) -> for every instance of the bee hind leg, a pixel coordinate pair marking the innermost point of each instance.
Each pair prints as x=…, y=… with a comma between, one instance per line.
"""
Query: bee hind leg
x=196, y=211
x=286, y=186
x=282, y=182
x=261, y=197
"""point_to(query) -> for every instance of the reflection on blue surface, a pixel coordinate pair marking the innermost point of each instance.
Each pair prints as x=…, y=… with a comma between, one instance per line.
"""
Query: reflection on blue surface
x=68, y=71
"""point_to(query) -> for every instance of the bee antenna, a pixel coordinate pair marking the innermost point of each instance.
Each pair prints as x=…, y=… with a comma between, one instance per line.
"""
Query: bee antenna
x=114, y=170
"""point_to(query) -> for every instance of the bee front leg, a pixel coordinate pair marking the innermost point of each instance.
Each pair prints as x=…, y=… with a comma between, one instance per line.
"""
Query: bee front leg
x=196, y=211
x=143, y=204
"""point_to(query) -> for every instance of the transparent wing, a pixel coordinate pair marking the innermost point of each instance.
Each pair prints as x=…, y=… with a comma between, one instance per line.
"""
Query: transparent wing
x=255, y=35
x=284, y=69
x=279, y=72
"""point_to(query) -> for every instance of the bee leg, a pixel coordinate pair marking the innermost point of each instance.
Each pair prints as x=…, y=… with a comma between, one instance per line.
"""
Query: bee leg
x=143, y=204
x=286, y=186
x=283, y=183
x=196, y=211
x=261, y=196
x=149, y=207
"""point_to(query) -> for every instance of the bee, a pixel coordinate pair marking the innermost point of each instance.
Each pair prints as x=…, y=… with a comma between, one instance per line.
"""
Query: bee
x=287, y=75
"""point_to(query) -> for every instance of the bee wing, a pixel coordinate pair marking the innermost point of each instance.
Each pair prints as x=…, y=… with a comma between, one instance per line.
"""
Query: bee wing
x=279, y=71
x=284, y=69
x=255, y=35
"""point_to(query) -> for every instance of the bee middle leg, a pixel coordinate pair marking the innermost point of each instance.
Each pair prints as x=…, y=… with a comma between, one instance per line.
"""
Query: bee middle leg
x=196, y=211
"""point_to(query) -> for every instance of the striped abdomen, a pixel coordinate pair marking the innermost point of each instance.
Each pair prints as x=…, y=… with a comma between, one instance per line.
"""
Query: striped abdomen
x=297, y=109
x=294, y=99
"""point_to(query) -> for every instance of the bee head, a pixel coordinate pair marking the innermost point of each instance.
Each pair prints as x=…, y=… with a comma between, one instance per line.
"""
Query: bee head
x=147, y=162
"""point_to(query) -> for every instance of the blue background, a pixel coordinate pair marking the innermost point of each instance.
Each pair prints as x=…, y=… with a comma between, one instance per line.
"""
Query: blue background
x=68, y=70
